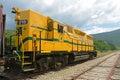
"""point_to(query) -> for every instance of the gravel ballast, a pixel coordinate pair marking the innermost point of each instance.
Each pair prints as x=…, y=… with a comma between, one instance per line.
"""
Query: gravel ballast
x=69, y=71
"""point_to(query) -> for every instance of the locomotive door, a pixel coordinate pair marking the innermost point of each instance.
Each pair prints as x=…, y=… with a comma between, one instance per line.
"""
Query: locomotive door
x=34, y=43
x=60, y=31
x=50, y=33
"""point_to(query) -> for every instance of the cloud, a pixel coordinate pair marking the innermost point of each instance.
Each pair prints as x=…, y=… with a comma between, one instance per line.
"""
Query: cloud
x=79, y=13
x=94, y=16
x=97, y=29
x=48, y=2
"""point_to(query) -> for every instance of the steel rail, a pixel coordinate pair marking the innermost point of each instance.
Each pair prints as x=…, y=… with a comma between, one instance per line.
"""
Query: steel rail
x=112, y=70
x=75, y=77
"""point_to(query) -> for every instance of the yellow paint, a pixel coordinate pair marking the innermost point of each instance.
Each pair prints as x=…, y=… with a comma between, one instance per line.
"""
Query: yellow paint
x=52, y=40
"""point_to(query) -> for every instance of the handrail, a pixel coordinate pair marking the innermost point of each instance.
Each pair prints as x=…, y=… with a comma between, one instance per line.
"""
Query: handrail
x=22, y=49
x=17, y=54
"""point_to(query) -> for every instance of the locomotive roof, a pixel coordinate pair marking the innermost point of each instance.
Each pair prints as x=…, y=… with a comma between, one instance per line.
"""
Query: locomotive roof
x=59, y=22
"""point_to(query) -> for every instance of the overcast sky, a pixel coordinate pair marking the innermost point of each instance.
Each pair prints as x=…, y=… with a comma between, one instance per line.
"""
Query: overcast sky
x=91, y=16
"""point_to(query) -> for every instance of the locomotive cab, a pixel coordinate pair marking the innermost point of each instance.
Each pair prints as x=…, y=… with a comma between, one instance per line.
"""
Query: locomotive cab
x=2, y=36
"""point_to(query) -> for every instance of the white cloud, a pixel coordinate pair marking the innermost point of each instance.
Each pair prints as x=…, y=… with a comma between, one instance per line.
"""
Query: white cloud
x=102, y=13
x=48, y=2
x=97, y=29
x=74, y=12
x=94, y=16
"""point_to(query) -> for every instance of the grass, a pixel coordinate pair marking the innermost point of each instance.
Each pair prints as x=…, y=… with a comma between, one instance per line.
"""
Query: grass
x=8, y=33
x=105, y=52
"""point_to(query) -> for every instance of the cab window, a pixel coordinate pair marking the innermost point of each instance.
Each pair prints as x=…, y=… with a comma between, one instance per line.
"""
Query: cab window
x=21, y=22
x=60, y=28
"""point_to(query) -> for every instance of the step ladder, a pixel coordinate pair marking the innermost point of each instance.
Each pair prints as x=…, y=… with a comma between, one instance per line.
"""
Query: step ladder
x=28, y=59
x=27, y=62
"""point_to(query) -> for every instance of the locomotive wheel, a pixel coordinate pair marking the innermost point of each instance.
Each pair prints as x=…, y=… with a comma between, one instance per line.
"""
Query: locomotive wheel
x=42, y=65
x=65, y=60
x=70, y=58
x=57, y=62
x=61, y=61
x=91, y=56
x=57, y=65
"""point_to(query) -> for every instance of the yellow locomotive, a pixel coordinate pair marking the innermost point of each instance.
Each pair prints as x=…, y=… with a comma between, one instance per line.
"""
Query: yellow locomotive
x=43, y=43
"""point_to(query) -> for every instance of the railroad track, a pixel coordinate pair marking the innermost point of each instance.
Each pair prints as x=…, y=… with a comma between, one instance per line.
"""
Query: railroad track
x=64, y=73
x=69, y=71
x=116, y=72
x=103, y=70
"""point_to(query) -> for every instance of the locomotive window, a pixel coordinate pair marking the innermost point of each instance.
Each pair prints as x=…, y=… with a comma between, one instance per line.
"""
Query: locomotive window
x=20, y=22
x=70, y=29
x=25, y=21
x=50, y=24
x=60, y=28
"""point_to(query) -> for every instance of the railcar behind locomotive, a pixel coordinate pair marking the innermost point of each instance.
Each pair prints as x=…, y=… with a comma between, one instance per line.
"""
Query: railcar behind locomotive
x=2, y=34
x=43, y=43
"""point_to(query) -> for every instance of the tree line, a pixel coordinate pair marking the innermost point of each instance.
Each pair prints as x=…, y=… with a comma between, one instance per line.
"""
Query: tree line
x=103, y=46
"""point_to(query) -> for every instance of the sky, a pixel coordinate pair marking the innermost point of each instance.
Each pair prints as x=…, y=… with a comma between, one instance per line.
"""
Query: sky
x=91, y=16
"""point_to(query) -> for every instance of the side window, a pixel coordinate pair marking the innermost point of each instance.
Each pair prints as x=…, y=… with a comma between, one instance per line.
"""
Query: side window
x=60, y=28
x=22, y=22
x=50, y=24
x=70, y=29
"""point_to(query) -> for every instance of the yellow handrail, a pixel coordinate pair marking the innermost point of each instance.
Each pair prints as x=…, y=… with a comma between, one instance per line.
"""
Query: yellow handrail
x=22, y=50
x=17, y=55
